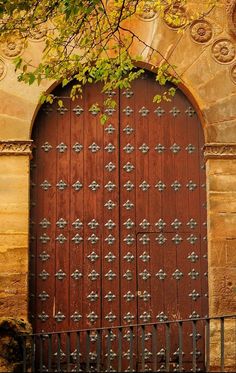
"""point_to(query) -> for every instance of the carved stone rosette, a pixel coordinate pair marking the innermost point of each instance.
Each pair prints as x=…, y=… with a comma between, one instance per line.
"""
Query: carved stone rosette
x=15, y=147
x=231, y=13
x=201, y=31
x=220, y=151
x=223, y=51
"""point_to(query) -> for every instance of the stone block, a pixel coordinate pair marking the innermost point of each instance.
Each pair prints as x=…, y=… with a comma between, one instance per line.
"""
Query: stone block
x=221, y=183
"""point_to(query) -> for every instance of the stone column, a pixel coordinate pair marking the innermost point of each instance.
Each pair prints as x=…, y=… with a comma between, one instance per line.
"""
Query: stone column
x=221, y=196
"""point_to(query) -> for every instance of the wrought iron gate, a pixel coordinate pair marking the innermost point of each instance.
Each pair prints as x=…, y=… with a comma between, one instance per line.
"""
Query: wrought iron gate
x=118, y=213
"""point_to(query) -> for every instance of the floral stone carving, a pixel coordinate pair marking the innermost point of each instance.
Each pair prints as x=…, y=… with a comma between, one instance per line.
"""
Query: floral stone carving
x=175, y=16
x=38, y=33
x=148, y=13
x=223, y=51
x=201, y=31
x=12, y=46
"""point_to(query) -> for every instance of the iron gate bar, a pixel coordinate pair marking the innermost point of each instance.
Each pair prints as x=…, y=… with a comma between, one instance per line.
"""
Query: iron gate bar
x=222, y=340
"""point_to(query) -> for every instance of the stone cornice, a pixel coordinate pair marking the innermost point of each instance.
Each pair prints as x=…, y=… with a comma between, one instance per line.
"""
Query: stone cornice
x=15, y=147
x=220, y=151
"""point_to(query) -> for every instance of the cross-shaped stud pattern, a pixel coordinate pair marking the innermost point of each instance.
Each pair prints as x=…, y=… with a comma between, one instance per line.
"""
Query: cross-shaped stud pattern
x=110, y=186
x=128, y=130
x=94, y=186
x=128, y=148
x=160, y=148
x=175, y=111
x=93, y=224
x=77, y=147
x=60, y=274
x=110, y=224
x=45, y=185
x=110, y=148
x=61, y=147
x=94, y=147
x=110, y=129
x=77, y=186
x=77, y=224
x=78, y=110
x=159, y=111
x=144, y=148
x=128, y=111
x=46, y=147
x=61, y=223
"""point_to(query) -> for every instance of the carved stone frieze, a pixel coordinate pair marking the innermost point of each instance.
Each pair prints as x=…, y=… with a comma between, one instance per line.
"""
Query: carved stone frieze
x=220, y=151
x=223, y=50
x=201, y=31
x=231, y=13
x=12, y=46
x=15, y=147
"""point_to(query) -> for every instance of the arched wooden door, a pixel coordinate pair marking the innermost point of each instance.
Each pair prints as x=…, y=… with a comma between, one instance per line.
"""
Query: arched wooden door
x=118, y=215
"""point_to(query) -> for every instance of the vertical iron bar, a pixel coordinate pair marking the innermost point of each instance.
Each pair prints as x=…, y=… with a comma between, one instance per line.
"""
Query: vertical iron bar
x=87, y=349
x=40, y=353
x=194, y=346
x=33, y=352
x=167, y=325
x=131, y=348
x=99, y=350
x=58, y=352
x=49, y=352
x=143, y=346
x=77, y=351
x=108, y=350
x=24, y=353
x=154, y=347
x=119, y=349
x=207, y=347
x=222, y=345
x=180, y=337
x=68, y=351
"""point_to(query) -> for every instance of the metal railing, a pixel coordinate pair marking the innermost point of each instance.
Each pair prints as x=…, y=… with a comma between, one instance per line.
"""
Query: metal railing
x=200, y=344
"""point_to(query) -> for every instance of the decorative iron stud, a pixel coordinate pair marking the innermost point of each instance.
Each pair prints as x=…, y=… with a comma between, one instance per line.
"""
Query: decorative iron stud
x=128, y=148
x=110, y=317
x=129, y=223
x=92, y=317
x=110, y=167
x=128, y=205
x=176, y=224
x=145, y=296
x=110, y=239
x=160, y=224
x=177, y=274
x=144, y=239
x=194, y=295
x=192, y=239
x=194, y=315
x=144, y=224
x=190, y=148
x=93, y=256
x=110, y=93
x=110, y=204
x=44, y=275
x=144, y=186
x=175, y=148
x=44, y=256
x=94, y=186
x=145, y=275
x=44, y=238
x=191, y=185
x=129, y=239
x=129, y=186
x=77, y=147
x=129, y=296
x=110, y=147
x=145, y=317
x=77, y=239
x=174, y=111
x=192, y=223
x=59, y=317
x=62, y=110
x=61, y=223
x=77, y=185
x=43, y=316
x=144, y=148
x=110, y=275
x=110, y=224
x=160, y=148
x=193, y=257
x=94, y=147
x=44, y=223
x=93, y=275
x=93, y=224
x=110, y=296
x=61, y=147
x=159, y=111
x=93, y=239
x=128, y=275
x=190, y=112
x=45, y=185
x=110, y=110
x=46, y=147
x=76, y=275
x=76, y=317
x=162, y=353
x=61, y=185
x=128, y=111
x=127, y=336
x=93, y=296
x=78, y=110
x=128, y=130
x=144, y=111
x=161, y=275
x=177, y=239
x=110, y=186
x=60, y=274
x=176, y=186
x=93, y=356
x=110, y=257
x=161, y=317
x=77, y=224
x=110, y=129
x=128, y=93
x=61, y=238
x=74, y=356
x=161, y=239
x=160, y=186
x=128, y=167
x=43, y=296
x=145, y=257
x=193, y=274
x=129, y=317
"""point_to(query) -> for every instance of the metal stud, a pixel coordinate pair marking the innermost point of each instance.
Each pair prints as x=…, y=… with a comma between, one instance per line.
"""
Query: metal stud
x=44, y=238
x=77, y=224
x=192, y=223
x=177, y=239
x=44, y=256
x=193, y=274
x=94, y=186
x=193, y=257
x=128, y=111
x=176, y=224
x=145, y=296
x=61, y=185
x=46, y=147
x=61, y=147
x=128, y=205
x=59, y=317
x=190, y=148
x=93, y=275
x=61, y=223
x=175, y=148
x=144, y=186
x=127, y=336
x=194, y=315
x=129, y=296
x=94, y=147
x=76, y=317
x=93, y=224
x=110, y=257
x=160, y=186
x=92, y=317
x=76, y=275
x=77, y=147
x=191, y=185
x=77, y=185
x=128, y=317
x=43, y=316
x=129, y=239
x=93, y=256
x=110, y=275
x=129, y=257
x=110, y=186
x=129, y=186
x=43, y=296
x=144, y=224
x=128, y=275
x=190, y=112
x=60, y=274
x=161, y=239
x=177, y=274
x=110, y=317
x=176, y=186
x=145, y=275
x=44, y=223
x=129, y=223
x=144, y=239
x=128, y=167
x=128, y=130
x=144, y=148
x=110, y=110
x=45, y=185
x=128, y=93
x=110, y=148
x=174, y=111
x=93, y=239
x=160, y=148
x=128, y=148
x=110, y=204
x=145, y=257
x=159, y=111
x=110, y=296
x=62, y=110
x=194, y=295
x=110, y=93
x=44, y=275
x=110, y=224
x=145, y=317
x=110, y=129
x=110, y=239
x=78, y=110
x=192, y=239
x=93, y=296
x=110, y=167
x=161, y=275
x=160, y=224
x=77, y=239
x=144, y=111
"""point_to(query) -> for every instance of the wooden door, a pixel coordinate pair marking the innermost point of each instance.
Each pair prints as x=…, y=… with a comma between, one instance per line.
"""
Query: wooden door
x=118, y=212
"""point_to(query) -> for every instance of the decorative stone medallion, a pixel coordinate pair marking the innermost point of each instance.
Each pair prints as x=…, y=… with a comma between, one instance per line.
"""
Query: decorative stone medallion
x=2, y=69
x=233, y=73
x=175, y=16
x=231, y=13
x=148, y=13
x=223, y=51
x=38, y=33
x=12, y=46
x=201, y=31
